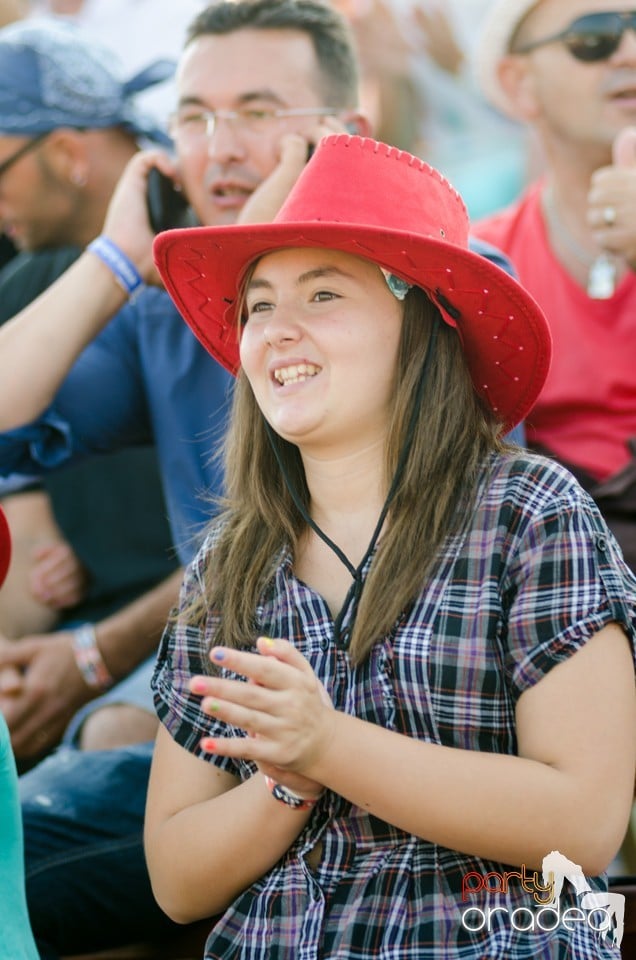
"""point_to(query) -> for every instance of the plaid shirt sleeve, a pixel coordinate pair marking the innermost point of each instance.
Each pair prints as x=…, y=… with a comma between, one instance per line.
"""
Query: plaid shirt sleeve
x=532, y=577
x=565, y=581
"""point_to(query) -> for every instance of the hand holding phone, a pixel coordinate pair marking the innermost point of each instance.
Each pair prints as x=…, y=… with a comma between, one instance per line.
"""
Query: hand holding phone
x=167, y=205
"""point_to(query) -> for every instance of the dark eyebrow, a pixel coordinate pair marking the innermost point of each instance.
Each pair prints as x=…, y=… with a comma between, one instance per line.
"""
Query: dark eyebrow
x=256, y=283
x=319, y=272
x=266, y=94
x=260, y=283
x=249, y=97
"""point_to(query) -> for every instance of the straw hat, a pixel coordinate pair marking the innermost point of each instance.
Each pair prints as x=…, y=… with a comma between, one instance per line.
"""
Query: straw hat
x=373, y=201
x=497, y=30
x=5, y=546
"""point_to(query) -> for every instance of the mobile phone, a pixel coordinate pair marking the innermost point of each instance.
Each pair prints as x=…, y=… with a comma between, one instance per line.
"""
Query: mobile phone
x=167, y=206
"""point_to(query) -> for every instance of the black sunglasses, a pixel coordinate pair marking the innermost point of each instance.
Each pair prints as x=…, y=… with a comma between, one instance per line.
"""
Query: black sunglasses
x=596, y=36
x=21, y=151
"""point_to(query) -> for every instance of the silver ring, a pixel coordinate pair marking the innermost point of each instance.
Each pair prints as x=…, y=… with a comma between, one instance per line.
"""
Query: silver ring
x=609, y=216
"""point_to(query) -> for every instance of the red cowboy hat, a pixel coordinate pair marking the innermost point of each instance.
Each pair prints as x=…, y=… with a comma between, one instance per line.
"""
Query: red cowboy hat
x=374, y=201
x=5, y=546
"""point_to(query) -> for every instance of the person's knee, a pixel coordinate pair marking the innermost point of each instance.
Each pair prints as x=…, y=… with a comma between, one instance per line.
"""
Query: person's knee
x=117, y=726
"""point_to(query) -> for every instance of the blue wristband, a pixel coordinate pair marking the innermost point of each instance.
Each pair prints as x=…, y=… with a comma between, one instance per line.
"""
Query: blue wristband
x=123, y=269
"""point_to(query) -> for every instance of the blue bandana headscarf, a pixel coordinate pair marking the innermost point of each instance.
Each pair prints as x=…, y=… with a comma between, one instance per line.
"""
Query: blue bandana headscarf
x=52, y=76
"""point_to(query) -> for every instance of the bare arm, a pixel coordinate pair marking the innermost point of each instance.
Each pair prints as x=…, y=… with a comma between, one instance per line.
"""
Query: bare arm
x=132, y=634
x=35, y=534
x=570, y=788
x=53, y=688
x=215, y=836
x=47, y=337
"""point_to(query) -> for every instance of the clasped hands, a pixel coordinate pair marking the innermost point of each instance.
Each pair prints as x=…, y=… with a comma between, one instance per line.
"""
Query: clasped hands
x=40, y=690
x=285, y=711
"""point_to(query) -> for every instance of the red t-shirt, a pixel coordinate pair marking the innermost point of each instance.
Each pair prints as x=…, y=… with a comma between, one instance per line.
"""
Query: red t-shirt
x=587, y=409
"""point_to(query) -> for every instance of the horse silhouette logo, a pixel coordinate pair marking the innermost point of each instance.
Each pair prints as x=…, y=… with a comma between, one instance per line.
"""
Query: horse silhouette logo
x=556, y=869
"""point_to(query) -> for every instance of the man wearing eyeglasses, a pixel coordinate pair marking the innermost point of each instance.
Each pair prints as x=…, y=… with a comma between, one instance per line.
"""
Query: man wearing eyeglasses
x=253, y=82
x=103, y=360
x=258, y=84
x=567, y=68
x=61, y=155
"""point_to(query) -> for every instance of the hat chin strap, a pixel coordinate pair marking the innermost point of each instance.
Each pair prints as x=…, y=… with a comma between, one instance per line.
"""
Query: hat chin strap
x=352, y=599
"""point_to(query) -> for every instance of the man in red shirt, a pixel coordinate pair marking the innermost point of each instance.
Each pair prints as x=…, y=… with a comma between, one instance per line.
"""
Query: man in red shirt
x=568, y=69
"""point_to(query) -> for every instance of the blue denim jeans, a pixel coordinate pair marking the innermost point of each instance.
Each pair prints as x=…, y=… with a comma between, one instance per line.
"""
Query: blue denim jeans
x=86, y=878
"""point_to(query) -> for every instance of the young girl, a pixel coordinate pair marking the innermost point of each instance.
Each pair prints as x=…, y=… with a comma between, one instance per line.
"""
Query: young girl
x=401, y=674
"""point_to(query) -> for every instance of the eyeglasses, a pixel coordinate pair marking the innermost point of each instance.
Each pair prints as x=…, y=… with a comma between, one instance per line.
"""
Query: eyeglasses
x=21, y=151
x=201, y=124
x=591, y=38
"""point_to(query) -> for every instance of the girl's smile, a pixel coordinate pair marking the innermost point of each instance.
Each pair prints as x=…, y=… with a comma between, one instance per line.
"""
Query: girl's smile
x=315, y=347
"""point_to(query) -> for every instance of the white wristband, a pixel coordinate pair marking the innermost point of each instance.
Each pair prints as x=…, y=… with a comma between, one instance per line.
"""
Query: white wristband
x=89, y=660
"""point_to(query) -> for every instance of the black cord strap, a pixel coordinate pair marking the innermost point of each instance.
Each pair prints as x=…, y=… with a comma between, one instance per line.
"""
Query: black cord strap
x=355, y=591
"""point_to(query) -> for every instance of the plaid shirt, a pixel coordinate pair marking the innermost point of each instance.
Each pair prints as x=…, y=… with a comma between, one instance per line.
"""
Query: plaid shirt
x=531, y=579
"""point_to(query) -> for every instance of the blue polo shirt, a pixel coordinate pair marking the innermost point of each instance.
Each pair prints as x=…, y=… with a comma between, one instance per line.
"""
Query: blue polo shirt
x=145, y=378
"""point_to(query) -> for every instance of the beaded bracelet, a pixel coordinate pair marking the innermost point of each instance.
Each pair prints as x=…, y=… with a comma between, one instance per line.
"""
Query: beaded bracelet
x=122, y=268
x=89, y=660
x=289, y=797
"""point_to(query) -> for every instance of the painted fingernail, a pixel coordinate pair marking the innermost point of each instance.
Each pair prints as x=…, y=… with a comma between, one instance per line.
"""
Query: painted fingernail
x=210, y=706
x=218, y=654
x=208, y=744
x=269, y=642
x=198, y=685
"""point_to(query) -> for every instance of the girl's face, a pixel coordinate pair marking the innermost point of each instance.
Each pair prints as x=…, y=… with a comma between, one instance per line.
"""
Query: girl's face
x=320, y=346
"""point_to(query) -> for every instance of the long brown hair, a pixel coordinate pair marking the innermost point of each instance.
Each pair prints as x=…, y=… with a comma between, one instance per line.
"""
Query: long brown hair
x=454, y=433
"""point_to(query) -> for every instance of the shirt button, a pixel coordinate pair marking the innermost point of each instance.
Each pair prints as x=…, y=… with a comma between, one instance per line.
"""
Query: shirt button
x=601, y=544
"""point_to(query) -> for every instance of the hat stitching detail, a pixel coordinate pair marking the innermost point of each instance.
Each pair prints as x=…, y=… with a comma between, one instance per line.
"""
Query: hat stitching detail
x=398, y=228
x=507, y=349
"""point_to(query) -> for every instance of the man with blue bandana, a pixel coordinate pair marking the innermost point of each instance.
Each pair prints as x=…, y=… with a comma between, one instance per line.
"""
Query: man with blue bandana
x=69, y=124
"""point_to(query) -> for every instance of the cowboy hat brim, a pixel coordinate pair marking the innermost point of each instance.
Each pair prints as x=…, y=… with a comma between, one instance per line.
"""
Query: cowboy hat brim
x=503, y=331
